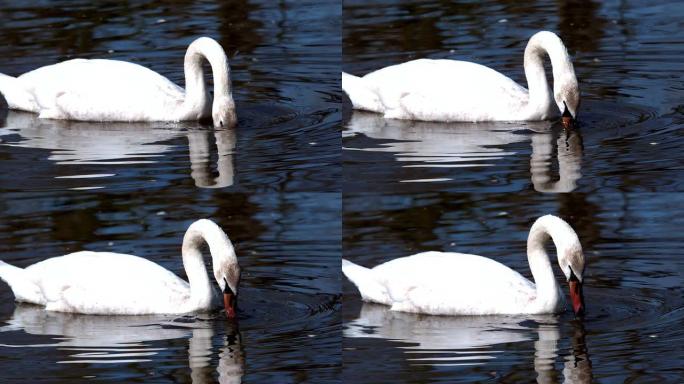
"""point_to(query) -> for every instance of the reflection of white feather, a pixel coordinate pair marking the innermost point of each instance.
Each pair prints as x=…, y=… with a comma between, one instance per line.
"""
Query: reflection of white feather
x=124, y=339
x=439, y=144
x=455, y=145
x=438, y=332
x=123, y=143
x=86, y=143
x=469, y=340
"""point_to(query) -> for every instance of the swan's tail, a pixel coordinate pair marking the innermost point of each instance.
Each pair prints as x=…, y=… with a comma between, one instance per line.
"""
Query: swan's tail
x=16, y=95
x=20, y=283
x=360, y=95
x=369, y=287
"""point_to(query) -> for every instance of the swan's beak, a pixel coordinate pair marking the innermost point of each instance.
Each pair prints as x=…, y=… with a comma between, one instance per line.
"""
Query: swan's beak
x=568, y=122
x=576, y=296
x=229, y=299
x=567, y=119
x=229, y=303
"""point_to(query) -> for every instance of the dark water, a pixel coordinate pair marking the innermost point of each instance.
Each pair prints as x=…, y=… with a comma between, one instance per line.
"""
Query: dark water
x=272, y=183
x=477, y=188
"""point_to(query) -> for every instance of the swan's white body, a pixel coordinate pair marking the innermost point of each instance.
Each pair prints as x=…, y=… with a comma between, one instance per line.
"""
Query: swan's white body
x=450, y=90
x=112, y=90
x=120, y=284
x=444, y=283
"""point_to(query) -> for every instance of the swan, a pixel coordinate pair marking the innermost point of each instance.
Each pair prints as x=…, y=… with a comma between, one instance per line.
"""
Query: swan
x=445, y=283
x=109, y=283
x=113, y=90
x=450, y=90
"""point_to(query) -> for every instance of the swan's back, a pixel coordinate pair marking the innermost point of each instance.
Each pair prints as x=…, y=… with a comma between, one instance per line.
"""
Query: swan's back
x=115, y=90
x=105, y=282
x=454, y=284
x=448, y=90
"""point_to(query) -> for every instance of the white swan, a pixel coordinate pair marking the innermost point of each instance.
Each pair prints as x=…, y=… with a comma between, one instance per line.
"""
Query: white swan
x=119, y=284
x=450, y=90
x=443, y=283
x=112, y=90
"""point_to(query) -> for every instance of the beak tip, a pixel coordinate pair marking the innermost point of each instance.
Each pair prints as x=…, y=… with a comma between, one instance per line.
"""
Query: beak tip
x=567, y=121
x=229, y=305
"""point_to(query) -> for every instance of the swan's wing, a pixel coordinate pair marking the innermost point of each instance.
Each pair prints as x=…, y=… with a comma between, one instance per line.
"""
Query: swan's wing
x=108, y=283
x=102, y=90
x=447, y=90
x=454, y=284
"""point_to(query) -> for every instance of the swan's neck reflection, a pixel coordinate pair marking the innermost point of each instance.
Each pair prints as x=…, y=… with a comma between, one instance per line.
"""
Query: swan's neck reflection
x=230, y=364
x=472, y=340
x=200, y=156
x=569, y=145
x=125, y=339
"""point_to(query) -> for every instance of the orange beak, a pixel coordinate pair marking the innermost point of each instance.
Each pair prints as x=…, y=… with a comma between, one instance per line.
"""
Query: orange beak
x=568, y=122
x=576, y=296
x=566, y=118
x=229, y=303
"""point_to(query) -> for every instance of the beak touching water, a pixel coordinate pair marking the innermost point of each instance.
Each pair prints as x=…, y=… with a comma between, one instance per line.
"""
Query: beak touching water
x=229, y=301
x=576, y=295
x=567, y=119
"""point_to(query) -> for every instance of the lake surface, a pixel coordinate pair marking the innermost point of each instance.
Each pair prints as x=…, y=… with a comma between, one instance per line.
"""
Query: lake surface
x=477, y=188
x=272, y=184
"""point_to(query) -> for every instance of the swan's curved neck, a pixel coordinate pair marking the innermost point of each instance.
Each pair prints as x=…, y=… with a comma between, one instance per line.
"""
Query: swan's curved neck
x=221, y=249
x=564, y=238
x=540, y=96
x=196, y=96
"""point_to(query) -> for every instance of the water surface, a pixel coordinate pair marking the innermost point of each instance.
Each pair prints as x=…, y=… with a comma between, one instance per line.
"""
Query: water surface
x=477, y=188
x=272, y=184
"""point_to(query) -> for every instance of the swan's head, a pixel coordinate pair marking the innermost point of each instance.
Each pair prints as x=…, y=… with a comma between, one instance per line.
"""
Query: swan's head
x=568, y=250
x=227, y=274
x=223, y=259
x=572, y=265
x=567, y=96
x=223, y=112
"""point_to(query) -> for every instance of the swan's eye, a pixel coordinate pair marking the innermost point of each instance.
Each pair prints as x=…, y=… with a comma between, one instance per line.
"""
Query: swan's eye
x=221, y=122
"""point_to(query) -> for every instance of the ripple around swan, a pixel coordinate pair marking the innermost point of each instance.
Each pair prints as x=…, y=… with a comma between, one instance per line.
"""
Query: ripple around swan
x=272, y=183
x=632, y=288
x=504, y=157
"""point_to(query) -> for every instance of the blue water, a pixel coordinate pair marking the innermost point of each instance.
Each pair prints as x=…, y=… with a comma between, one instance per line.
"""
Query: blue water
x=477, y=188
x=272, y=184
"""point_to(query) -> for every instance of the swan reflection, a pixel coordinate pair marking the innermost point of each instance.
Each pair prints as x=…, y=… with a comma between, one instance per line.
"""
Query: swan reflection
x=569, y=147
x=457, y=145
x=200, y=156
x=473, y=340
x=126, y=339
x=100, y=143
